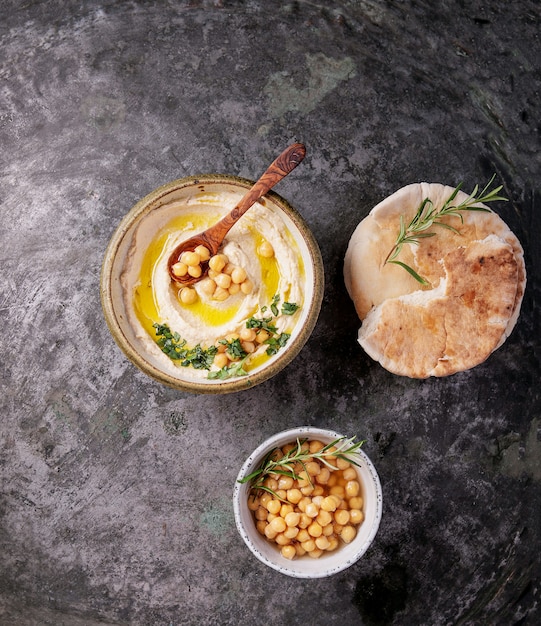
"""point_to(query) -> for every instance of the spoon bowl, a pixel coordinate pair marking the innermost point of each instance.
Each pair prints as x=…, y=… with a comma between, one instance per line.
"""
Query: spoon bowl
x=213, y=237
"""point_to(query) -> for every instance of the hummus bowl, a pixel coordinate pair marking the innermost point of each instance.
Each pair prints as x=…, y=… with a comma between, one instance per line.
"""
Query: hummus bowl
x=305, y=566
x=260, y=324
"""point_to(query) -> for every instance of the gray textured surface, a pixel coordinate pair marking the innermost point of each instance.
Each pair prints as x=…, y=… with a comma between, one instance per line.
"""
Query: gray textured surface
x=115, y=491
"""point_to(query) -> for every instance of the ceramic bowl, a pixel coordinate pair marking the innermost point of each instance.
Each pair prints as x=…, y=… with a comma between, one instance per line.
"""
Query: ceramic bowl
x=142, y=226
x=307, y=567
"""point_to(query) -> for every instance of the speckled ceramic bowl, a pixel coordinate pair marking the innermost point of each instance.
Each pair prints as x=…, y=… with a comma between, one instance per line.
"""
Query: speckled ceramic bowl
x=329, y=563
x=144, y=224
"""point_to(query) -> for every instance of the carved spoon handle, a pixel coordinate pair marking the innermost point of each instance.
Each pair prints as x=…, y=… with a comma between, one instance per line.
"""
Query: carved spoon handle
x=277, y=170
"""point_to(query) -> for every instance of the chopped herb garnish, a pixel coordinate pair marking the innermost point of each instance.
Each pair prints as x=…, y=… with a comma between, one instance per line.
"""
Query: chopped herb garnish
x=234, y=348
x=229, y=371
x=274, y=305
x=175, y=348
x=275, y=343
x=289, y=308
x=262, y=324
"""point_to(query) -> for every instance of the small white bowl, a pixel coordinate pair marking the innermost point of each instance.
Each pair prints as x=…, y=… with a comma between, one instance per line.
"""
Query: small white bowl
x=306, y=567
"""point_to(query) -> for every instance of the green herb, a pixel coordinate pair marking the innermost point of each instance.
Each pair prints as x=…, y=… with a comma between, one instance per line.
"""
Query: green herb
x=275, y=343
x=428, y=215
x=274, y=305
x=289, y=308
x=229, y=371
x=234, y=348
x=172, y=344
x=262, y=324
x=285, y=465
x=175, y=348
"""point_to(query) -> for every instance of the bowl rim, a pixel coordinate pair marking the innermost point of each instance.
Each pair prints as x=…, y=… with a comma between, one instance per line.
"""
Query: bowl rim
x=239, y=490
x=144, y=206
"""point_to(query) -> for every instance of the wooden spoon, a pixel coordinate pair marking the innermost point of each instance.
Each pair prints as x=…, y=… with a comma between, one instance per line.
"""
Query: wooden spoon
x=213, y=237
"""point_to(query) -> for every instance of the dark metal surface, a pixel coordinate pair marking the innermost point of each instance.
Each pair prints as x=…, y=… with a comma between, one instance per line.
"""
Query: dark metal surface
x=116, y=491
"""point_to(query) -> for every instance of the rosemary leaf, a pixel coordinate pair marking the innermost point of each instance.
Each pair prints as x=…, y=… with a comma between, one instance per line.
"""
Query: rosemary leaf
x=428, y=216
x=343, y=448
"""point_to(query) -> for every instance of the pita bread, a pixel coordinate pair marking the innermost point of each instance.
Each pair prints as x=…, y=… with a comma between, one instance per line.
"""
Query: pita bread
x=476, y=285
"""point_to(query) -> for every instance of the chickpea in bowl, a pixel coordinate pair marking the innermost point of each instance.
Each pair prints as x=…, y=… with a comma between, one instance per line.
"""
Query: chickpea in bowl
x=317, y=513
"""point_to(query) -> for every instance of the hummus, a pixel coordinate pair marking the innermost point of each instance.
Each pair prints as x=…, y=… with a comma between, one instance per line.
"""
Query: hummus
x=151, y=298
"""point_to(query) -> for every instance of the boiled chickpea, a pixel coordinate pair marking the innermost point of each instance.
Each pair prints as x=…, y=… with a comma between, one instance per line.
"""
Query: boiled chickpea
x=324, y=518
x=238, y=275
x=248, y=346
x=342, y=464
x=179, y=269
x=329, y=504
x=291, y=532
x=300, y=550
x=338, y=490
x=323, y=477
x=309, y=545
x=341, y=516
x=265, y=497
x=356, y=502
x=203, y=252
x=273, y=506
x=328, y=530
x=207, y=286
x=253, y=504
x=285, y=509
x=294, y=496
x=266, y=250
x=261, y=513
x=269, y=532
x=288, y=552
x=333, y=544
x=187, y=295
x=322, y=542
x=348, y=534
x=271, y=483
x=190, y=258
x=223, y=281
x=285, y=482
x=278, y=525
x=292, y=518
x=195, y=271
x=249, y=334
x=247, y=287
x=217, y=262
x=356, y=516
x=315, y=530
x=315, y=446
x=305, y=521
x=262, y=336
x=313, y=468
x=315, y=553
x=220, y=294
x=352, y=488
x=349, y=474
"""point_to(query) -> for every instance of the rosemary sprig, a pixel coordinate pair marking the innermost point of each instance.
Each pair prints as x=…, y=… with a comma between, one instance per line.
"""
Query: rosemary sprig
x=342, y=448
x=427, y=215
